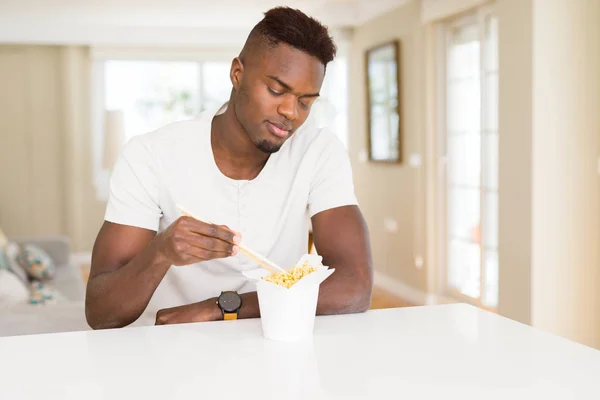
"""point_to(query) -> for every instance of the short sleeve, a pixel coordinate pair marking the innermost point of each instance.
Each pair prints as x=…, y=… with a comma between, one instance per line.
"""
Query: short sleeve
x=134, y=188
x=332, y=185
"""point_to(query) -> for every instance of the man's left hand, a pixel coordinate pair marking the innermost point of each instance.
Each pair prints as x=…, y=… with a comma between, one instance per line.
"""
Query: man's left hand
x=198, y=312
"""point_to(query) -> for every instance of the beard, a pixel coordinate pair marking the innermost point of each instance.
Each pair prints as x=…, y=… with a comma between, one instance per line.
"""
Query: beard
x=267, y=147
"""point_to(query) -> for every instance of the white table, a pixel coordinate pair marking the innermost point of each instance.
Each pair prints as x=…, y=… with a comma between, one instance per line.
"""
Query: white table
x=439, y=352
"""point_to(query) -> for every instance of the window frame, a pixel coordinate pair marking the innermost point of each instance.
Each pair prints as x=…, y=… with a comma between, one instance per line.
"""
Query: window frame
x=443, y=33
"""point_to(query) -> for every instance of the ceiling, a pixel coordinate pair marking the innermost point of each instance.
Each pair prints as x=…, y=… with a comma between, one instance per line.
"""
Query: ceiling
x=182, y=22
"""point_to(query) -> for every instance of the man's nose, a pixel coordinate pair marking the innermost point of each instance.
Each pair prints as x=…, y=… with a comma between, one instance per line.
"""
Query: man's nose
x=289, y=107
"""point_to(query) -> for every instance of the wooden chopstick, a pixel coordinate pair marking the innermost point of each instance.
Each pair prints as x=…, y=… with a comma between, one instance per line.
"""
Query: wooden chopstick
x=251, y=254
x=257, y=260
x=261, y=259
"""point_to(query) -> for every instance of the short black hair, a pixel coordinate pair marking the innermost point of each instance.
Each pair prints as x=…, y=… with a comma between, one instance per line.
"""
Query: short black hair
x=293, y=27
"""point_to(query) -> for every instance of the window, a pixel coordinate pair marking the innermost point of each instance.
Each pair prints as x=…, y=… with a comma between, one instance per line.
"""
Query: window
x=331, y=108
x=152, y=94
x=470, y=148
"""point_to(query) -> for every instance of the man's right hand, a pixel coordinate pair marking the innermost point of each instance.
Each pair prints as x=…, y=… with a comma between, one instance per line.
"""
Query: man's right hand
x=187, y=241
x=128, y=264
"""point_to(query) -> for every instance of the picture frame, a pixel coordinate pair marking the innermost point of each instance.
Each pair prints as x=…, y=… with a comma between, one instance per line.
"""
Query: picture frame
x=384, y=117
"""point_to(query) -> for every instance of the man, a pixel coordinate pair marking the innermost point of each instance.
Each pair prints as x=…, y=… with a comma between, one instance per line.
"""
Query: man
x=252, y=172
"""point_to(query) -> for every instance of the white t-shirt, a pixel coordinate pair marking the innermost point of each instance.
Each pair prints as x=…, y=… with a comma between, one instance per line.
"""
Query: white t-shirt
x=175, y=165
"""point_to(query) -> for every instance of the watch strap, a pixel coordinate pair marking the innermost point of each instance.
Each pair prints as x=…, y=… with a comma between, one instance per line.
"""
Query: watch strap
x=230, y=316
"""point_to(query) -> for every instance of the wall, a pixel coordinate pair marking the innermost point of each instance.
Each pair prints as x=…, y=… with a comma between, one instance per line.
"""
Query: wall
x=432, y=10
x=31, y=151
x=515, y=148
x=84, y=212
x=45, y=152
x=392, y=191
x=549, y=146
x=566, y=186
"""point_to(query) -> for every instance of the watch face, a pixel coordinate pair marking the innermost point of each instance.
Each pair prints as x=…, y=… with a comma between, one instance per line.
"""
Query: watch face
x=230, y=301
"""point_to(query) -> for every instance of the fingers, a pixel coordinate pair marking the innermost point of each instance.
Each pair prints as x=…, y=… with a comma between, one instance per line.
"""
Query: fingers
x=204, y=254
x=220, y=232
x=212, y=244
x=203, y=241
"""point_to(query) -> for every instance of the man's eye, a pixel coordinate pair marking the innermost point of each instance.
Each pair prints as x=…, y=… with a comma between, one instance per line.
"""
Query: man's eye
x=274, y=93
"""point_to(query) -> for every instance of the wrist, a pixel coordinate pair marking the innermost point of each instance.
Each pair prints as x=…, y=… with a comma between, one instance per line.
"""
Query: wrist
x=250, y=308
x=213, y=309
x=160, y=257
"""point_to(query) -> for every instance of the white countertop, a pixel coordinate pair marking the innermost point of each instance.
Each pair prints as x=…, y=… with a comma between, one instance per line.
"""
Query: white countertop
x=438, y=352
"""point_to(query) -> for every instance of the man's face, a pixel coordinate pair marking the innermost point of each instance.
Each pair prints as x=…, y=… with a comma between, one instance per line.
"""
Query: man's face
x=275, y=92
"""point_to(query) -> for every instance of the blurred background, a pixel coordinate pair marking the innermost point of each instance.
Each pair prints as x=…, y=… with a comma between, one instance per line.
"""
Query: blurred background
x=473, y=128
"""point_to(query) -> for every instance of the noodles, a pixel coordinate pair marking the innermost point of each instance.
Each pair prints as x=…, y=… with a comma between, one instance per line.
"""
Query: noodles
x=296, y=273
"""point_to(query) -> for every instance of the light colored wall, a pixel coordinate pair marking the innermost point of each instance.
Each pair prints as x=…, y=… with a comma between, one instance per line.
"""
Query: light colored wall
x=392, y=191
x=549, y=147
x=566, y=185
x=84, y=212
x=45, y=151
x=31, y=149
x=515, y=149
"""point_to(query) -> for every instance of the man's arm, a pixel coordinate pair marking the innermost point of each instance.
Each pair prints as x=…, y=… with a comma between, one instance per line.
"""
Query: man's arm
x=128, y=264
x=342, y=239
x=126, y=270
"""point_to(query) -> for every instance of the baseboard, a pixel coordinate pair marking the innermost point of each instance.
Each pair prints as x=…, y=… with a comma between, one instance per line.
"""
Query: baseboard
x=409, y=293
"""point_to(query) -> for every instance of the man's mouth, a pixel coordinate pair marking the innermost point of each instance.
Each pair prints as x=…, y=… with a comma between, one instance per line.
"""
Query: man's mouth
x=277, y=129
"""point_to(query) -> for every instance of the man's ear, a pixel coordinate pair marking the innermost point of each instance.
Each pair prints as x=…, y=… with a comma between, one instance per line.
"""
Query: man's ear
x=237, y=72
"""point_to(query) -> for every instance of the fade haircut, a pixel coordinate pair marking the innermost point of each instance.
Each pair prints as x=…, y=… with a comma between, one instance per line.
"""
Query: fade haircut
x=293, y=27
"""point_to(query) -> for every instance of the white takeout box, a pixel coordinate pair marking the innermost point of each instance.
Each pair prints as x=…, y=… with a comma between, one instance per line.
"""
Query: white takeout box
x=289, y=314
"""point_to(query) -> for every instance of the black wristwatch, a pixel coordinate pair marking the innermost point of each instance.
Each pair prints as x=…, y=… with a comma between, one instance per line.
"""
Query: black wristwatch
x=230, y=303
